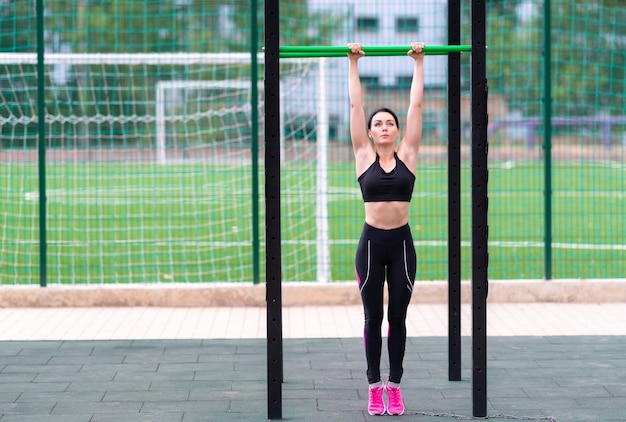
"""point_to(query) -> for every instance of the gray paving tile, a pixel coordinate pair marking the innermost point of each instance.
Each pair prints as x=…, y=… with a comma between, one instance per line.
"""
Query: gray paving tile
x=26, y=408
x=49, y=418
x=568, y=378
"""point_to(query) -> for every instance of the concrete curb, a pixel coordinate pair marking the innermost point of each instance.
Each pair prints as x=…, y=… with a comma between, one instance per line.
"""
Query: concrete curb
x=300, y=294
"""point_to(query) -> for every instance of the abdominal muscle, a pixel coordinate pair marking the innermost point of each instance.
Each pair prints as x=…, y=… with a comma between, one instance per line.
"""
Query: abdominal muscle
x=387, y=215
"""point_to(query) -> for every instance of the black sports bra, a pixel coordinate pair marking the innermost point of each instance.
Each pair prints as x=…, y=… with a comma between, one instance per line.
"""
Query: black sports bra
x=380, y=186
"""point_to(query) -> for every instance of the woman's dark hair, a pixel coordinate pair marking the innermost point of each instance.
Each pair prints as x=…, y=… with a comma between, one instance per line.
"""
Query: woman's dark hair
x=382, y=109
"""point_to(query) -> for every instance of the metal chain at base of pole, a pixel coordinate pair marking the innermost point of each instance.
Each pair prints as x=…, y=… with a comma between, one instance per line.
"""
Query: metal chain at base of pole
x=474, y=418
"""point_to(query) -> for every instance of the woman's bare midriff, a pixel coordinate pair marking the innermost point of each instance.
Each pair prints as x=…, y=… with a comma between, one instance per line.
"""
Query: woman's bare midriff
x=387, y=215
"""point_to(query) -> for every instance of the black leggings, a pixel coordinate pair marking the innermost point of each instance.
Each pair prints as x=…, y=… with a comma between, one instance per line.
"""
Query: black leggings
x=386, y=254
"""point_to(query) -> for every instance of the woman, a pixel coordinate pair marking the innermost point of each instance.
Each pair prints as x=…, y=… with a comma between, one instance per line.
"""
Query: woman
x=386, y=174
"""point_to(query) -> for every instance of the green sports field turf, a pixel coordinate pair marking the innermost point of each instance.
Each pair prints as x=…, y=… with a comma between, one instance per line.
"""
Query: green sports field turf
x=121, y=223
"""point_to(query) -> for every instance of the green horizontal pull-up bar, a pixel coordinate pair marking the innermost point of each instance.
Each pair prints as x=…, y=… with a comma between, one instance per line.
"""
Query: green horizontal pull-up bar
x=295, y=51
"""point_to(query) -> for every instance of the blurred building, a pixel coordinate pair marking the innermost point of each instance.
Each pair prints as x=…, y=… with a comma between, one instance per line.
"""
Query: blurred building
x=386, y=80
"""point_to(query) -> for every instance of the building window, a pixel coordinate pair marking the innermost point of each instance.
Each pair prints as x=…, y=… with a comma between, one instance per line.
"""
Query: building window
x=404, y=24
x=370, y=81
x=404, y=81
x=367, y=24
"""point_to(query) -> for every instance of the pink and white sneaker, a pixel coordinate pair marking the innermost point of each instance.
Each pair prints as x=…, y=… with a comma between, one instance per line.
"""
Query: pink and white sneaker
x=395, y=404
x=375, y=402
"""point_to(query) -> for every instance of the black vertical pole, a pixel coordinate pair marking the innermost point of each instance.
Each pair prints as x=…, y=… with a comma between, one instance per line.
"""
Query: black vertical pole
x=41, y=113
x=480, y=229
x=272, y=212
x=454, y=193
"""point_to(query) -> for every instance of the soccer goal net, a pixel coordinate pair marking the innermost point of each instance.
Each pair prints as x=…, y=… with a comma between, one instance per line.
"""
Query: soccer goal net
x=149, y=174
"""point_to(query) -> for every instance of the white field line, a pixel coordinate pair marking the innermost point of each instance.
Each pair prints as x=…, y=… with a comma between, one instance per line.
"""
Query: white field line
x=209, y=192
x=431, y=243
x=499, y=244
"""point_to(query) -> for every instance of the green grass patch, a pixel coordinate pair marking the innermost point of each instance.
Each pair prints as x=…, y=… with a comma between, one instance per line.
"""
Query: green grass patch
x=143, y=223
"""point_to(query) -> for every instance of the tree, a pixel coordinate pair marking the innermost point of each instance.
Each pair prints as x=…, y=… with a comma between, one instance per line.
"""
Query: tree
x=101, y=26
x=588, y=66
x=18, y=27
x=299, y=24
x=588, y=59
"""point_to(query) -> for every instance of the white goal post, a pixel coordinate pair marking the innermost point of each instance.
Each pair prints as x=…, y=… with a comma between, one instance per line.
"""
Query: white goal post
x=162, y=87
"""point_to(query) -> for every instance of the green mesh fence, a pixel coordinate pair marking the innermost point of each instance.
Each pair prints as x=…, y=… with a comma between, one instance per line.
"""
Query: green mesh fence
x=151, y=142
x=587, y=141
